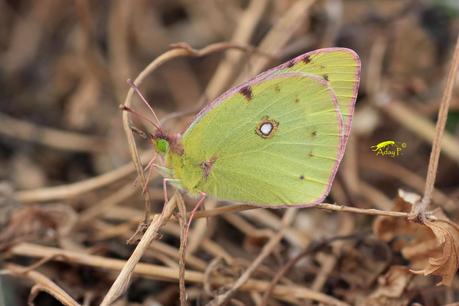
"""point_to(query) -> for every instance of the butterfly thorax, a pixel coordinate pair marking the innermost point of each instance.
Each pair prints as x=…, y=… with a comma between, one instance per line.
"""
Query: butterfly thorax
x=180, y=166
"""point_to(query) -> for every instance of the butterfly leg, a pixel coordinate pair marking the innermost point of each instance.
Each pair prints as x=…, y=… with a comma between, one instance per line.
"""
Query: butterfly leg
x=166, y=197
x=148, y=168
x=193, y=212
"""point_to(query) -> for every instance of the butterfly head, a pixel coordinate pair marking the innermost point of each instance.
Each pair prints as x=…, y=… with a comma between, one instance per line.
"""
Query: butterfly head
x=164, y=143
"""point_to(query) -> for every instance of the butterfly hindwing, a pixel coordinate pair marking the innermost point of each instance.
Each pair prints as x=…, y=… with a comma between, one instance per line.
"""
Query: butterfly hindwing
x=274, y=141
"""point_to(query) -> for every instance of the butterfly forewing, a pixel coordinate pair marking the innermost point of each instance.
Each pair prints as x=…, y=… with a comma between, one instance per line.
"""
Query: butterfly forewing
x=340, y=67
x=272, y=141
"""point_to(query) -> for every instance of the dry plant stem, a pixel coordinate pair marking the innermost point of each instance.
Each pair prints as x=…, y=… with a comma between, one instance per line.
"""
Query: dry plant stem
x=329, y=261
x=415, y=122
x=439, y=130
x=375, y=196
x=153, y=35
x=207, y=245
x=246, y=227
x=375, y=66
x=92, y=53
x=180, y=50
x=269, y=220
x=119, y=17
x=158, y=247
x=265, y=252
x=279, y=35
x=350, y=172
x=42, y=283
x=122, y=280
x=225, y=71
x=112, y=200
x=167, y=274
x=75, y=189
x=363, y=211
x=411, y=179
x=325, y=206
x=36, y=265
x=214, y=263
x=406, y=116
x=130, y=214
x=182, y=251
x=222, y=210
x=200, y=229
x=62, y=140
x=292, y=262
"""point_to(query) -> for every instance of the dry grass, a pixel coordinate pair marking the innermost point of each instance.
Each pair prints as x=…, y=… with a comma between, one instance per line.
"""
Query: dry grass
x=68, y=198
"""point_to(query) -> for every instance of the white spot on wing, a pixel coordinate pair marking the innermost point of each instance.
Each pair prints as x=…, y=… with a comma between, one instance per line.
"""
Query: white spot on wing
x=266, y=128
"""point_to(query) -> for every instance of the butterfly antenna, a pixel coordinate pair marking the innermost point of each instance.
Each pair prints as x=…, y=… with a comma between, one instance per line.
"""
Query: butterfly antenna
x=144, y=100
x=130, y=110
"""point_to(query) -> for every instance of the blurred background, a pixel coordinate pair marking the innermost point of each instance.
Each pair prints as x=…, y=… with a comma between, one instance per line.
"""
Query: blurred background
x=63, y=72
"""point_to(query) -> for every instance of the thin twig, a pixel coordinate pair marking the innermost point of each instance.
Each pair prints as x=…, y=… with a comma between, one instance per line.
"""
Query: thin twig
x=421, y=126
x=36, y=265
x=121, y=281
x=54, y=138
x=440, y=127
x=278, y=36
x=113, y=199
x=182, y=251
x=75, y=189
x=241, y=35
x=265, y=252
x=313, y=247
x=166, y=274
x=325, y=206
x=132, y=214
x=407, y=177
x=43, y=283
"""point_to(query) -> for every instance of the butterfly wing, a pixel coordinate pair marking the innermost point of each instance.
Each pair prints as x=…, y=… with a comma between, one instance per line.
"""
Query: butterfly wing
x=273, y=141
x=340, y=67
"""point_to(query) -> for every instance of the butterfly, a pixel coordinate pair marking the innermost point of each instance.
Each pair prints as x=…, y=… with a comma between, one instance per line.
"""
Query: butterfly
x=274, y=141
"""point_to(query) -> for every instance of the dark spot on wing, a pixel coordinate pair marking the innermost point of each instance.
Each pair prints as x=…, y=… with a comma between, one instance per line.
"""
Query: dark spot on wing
x=290, y=64
x=207, y=165
x=247, y=92
x=307, y=59
x=325, y=76
x=297, y=100
x=310, y=154
x=314, y=133
x=302, y=177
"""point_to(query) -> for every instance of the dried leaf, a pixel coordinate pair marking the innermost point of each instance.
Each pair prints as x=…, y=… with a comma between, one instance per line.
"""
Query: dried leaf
x=432, y=248
x=391, y=290
x=443, y=260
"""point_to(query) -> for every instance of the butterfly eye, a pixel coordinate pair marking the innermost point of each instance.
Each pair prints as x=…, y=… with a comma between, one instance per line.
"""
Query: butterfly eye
x=162, y=145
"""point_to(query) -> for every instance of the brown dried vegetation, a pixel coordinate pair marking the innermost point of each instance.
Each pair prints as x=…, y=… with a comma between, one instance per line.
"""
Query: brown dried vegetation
x=70, y=196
